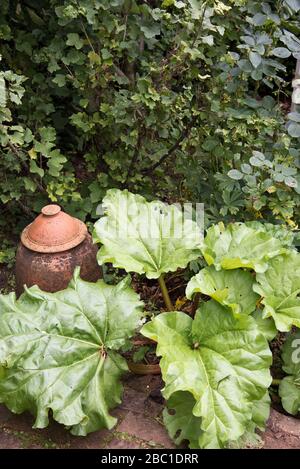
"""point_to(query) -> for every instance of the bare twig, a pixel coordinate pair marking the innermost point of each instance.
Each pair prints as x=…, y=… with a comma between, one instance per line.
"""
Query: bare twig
x=174, y=147
x=25, y=166
x=134, y=157
x=195, y=304
x=26, y=209
x=87, y=36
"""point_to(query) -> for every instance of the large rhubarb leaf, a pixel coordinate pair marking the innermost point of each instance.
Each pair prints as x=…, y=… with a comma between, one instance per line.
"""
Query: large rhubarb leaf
x=250, y=438
x=265, y=325
x=280, y=288
x=280, y=232
x=145, y=237
x=289, y=389
x=239, y=246
x=231, y=288
x=183, y=425
x=221, y=360
x=59, y=352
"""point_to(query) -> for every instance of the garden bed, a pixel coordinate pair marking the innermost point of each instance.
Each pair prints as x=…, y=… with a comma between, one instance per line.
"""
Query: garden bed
x=139, y=425
x=139, y=416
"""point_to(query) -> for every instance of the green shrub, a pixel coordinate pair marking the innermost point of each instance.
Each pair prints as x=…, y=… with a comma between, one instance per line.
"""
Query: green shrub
x=152, y=96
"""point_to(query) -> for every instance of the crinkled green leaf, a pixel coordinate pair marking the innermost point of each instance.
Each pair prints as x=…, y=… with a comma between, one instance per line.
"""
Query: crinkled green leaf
x=280, y=232
x=135, y=235
x=181, y=423
x=280, y=288
x=239, y=246
x=266, y=325
x=289, y=389
x=261, y=411
x=221, y=360
x=260, y=415
x=59, y=352
x=231, y=288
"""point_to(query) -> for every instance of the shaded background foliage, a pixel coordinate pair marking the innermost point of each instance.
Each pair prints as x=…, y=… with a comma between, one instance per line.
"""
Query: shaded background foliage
x=182, y=100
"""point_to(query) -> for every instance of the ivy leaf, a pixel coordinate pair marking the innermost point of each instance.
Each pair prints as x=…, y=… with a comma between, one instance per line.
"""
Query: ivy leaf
x=59, y=80
x=157, y=237
x=55, y=164
x=151, y=30
x=239, y=246
x=280, y=287
x=289, y=389
x=221, y=360
x=59, y=352
x=74, y=40
x=232, y=288
x=35, y=169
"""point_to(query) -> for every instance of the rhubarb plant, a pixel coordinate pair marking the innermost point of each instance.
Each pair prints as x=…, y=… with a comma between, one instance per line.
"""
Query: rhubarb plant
x=239, y=245
x=279, y=287
x=145, y=237
x=222, y=361
x=232, y=288
x=59, y=352
x=149, y=238
x=216, y=366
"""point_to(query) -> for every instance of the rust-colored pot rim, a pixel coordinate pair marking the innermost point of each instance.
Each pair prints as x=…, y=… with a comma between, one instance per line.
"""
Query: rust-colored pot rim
x=55, y=231
x=143, y=369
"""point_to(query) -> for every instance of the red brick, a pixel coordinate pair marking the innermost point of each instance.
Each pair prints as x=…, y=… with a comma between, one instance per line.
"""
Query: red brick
x=122, y=444
x=8, y=440
x=145, y=428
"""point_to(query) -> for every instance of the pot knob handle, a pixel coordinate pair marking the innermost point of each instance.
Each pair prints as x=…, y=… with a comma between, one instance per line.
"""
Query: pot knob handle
x=50, y=210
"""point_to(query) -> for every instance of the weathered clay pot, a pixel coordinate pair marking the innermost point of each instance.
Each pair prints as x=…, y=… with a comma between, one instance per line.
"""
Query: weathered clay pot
x=50, y=249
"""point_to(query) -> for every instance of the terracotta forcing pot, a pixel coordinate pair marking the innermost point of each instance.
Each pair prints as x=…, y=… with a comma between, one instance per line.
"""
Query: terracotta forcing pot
x=50, y=249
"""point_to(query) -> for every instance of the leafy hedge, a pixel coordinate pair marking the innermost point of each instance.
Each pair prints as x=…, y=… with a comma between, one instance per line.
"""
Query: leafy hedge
x=151, y=95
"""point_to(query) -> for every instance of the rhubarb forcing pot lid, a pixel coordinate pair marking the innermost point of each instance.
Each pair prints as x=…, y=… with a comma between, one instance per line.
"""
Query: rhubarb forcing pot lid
x=53, y=231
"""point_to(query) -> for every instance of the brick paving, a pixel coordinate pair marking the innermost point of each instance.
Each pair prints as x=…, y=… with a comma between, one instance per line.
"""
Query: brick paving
x=139, y=425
